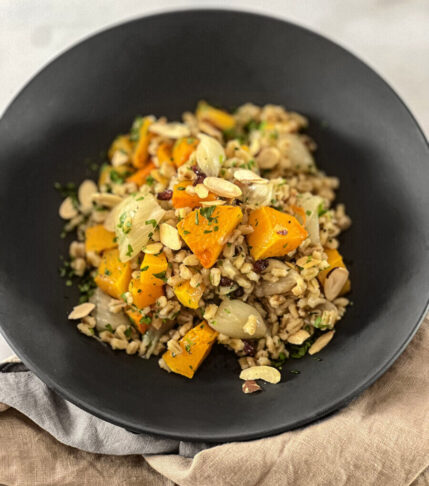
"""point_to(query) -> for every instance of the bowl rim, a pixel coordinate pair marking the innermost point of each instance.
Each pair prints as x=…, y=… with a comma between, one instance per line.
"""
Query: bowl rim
x=341, y=401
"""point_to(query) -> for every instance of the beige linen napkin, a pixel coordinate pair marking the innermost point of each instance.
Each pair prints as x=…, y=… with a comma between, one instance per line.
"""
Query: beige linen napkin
x=382, y=438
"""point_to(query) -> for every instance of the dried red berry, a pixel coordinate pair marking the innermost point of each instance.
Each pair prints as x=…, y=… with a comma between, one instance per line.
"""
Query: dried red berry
x=165, y=195
x=249, y=347
x=260, y=265
x=226, y=282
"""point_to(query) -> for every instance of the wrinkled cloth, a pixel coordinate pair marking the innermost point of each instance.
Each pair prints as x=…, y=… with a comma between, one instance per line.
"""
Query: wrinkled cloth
x=381, y=438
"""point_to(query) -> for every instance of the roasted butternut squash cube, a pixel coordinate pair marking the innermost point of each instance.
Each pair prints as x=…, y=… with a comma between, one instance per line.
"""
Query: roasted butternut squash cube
x=196, y=344
x=150, y=286
x=113, y=276
x=274, y=233
x=219, y=118
x=183, y=149
x=182, y=199
x=187, y=295
x=122, y=144
x=140, y=322
x=98, y=239
x=139, y=177
x=206, y=231
x=141, y=152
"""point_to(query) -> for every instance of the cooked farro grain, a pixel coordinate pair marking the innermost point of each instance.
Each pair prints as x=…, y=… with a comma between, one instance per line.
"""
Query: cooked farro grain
x=188, y=216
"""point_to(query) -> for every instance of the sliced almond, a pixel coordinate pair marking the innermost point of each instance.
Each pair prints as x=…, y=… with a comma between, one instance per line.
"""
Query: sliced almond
x=250, y=386
x=105, y=199
x=170, y=130
x=67, y=209
x=109, y=222
x=153, y=248
x=219, y=202
x=169, y=236
x=86, y=190
x=266, y=373
x=82, y=310
x=248, y=177
x=210, y=130
x=268, y=158
x=299, y=337
x=201, y=191
x=335, y=282
x=120, y=158
x=321, y=342
x=222, y=188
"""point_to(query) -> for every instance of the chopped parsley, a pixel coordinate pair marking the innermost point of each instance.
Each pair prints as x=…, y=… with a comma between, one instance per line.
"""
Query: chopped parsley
x=153, y=222
x=144, y=268
x=160, y=275
x=108, y=327
x=130, y=250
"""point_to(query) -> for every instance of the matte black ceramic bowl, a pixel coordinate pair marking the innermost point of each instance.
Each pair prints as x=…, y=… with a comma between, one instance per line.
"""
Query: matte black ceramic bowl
x=163, y=65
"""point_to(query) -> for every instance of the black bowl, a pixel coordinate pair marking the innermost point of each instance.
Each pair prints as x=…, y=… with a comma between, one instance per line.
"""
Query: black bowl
x=163, y=65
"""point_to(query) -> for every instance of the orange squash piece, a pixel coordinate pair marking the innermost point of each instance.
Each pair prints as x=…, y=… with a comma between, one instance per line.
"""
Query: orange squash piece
x=139, y=177
x=182, y=199
x=150, y=286
x=219, y=118
x=187, y=295
x=206, y=231
x=138, y=320
x=183, y=149
x=121, y=143
x=335, y=260
x=98, y=239
x=141, y=153
x=113, y=276
x=164, y=153
x=144, y=295
x=106, y=170
x=274, y=233
x=196, y=344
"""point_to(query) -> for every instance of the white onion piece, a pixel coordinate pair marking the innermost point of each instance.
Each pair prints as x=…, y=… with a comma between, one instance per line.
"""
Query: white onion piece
x=210, y=155
x=135, y=218
x=311, y=204
x=283, y=285
x=297, y=152
x=232, y=315
x=258, y=194
x=102, y=314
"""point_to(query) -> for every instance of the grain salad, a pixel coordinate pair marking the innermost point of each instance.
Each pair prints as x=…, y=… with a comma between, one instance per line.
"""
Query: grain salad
x=216, y=229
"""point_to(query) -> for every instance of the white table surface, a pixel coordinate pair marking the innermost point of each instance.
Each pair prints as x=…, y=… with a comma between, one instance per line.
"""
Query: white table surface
x=392, y=36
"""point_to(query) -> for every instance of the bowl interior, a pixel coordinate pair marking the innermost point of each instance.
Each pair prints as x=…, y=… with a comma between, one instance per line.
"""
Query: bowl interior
x=67, y=116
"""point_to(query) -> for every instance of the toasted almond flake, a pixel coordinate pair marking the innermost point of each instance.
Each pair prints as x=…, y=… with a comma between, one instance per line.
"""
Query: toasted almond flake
x=334, y=282
x=250, y=386
x=170, y=130
x=104, y=199
x=321, y=342
x=120, y=158
x=201, y=191
x=82, y=310
x=67, y=209
x=85, y=193
x=248, y=177
x=169, y=236
x=266, y=373
x=299, y=337
x=250, y=325
x=109, y=222
x=219, y=202
x=268, y=158
x=209, y=129
x=222, y=188
x=153, y=248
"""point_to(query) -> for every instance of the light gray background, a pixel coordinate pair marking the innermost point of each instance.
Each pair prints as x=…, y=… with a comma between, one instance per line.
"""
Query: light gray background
x=392, y=36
